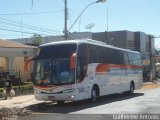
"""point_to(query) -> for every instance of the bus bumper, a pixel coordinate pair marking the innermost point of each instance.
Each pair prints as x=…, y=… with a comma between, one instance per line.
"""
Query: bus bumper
x=55, y=97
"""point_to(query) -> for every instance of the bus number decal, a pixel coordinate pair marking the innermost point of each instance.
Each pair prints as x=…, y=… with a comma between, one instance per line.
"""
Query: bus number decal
x=81, y=89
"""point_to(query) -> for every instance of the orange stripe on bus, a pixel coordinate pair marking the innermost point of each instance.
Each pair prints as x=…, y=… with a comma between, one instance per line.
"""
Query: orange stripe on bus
x=47, y=88
x=105, y=67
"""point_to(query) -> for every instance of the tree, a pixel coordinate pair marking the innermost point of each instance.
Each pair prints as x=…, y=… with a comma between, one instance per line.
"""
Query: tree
x=36, y=39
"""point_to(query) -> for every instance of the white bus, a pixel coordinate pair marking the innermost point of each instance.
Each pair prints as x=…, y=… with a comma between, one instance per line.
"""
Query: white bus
x=75, y=70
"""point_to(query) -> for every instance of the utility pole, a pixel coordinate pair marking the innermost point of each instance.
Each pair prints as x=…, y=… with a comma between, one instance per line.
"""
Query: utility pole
x=152, y=55
x=151, y=58
x=65, y=20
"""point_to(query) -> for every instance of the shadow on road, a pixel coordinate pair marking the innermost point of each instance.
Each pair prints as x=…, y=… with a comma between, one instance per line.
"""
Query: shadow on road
x=50, y=107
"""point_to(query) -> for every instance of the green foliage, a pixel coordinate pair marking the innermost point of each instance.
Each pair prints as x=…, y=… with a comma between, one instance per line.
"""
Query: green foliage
x=36, y=39
x=26, y=83
x=20, y=90
x=24, y=89
x=1, y=90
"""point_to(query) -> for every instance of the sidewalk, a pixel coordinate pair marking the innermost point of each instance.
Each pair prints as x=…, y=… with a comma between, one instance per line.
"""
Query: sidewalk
x=151, y=85
x=26, y=100
x=19, y=101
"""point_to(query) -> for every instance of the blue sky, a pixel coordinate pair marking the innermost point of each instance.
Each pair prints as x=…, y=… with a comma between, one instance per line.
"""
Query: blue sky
x=48, y=17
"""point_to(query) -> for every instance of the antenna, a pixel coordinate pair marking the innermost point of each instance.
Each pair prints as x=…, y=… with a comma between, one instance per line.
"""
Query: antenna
x=90, y=26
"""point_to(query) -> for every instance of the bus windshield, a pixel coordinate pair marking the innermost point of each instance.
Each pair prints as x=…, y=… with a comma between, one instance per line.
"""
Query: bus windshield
x=54, y=68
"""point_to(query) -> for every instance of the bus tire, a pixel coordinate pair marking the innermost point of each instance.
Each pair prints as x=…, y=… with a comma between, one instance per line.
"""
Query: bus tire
x=93, y=94
x=131, y=91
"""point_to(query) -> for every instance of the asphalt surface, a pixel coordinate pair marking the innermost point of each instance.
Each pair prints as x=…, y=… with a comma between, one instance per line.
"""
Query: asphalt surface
x=141, y=102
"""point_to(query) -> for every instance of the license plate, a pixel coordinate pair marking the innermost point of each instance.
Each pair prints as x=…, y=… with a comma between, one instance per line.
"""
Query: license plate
x=51, y=98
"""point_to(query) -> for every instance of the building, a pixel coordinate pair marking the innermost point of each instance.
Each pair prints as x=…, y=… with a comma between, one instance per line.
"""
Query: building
x=12, y=57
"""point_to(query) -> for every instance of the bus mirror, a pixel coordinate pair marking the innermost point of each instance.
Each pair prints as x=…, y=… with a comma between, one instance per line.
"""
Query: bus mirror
x=73, y=61
x=26, y=64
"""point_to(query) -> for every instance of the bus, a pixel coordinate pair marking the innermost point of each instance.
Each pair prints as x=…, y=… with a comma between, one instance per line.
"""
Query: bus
x=74, y=70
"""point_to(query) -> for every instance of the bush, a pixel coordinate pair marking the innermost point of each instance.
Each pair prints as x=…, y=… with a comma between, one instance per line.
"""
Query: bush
x=20, y=90
x=26, y=83
x=14, y=83
x=1, y=90
x=24, y=89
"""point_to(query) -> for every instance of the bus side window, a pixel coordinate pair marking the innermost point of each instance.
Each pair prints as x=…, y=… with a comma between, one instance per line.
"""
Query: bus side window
x=78, y=70
x=126, y=61
x=81, y=62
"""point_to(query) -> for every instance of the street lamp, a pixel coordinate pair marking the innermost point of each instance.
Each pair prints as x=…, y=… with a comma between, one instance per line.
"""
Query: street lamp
x=102, y=1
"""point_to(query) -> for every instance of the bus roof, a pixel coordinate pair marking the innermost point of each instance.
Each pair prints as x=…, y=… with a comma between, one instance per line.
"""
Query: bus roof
x=88, y=41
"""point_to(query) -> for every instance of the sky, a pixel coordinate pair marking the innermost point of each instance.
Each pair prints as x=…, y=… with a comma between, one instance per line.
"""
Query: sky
x=23, y=18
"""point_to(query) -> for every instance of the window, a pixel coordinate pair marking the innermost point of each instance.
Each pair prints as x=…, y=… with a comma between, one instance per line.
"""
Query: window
x=117, y=56
x=126, y=59
x=99, y=54
x=134, y=59
x=93, y=58
x=57, y=51
x=81, y=68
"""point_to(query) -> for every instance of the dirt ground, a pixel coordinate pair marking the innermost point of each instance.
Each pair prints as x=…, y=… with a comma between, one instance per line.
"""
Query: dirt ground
x=150, y=85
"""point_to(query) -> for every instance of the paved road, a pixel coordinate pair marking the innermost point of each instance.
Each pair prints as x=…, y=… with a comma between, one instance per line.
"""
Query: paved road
x=142, y=102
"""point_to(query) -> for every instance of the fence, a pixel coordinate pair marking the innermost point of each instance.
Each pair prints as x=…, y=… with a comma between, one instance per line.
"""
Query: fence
x=19, y=74
x=17, y=77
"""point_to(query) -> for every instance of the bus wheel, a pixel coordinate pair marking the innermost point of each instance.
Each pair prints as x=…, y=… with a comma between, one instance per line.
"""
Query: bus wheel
x=60, y=102
x=93, y=94
x=131, y=91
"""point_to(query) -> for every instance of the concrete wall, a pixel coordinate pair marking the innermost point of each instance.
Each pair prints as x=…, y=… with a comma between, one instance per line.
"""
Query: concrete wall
x=3, y=64
x=116, y=38
x=130, y=40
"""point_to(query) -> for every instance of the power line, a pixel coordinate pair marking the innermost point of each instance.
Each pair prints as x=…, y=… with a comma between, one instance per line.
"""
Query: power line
x=22, y=32
x=18, y=24
x=19, y=31
x=9, y=35
x=21, y=25
x=27, y=27
x=46, y=12
x=123, y=19
x=117, y=18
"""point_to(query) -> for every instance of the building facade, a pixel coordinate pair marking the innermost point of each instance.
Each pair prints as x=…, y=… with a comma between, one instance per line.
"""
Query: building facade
x=12, y=58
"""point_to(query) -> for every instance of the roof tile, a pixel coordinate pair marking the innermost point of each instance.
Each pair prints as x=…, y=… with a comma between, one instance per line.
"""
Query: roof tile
x=11, y=44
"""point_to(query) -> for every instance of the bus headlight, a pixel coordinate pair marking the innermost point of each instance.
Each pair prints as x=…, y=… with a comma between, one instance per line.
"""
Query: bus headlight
x=71, y=97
